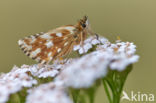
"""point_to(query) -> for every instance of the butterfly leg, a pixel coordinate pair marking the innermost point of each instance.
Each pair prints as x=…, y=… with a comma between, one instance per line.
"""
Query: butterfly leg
x=82, y=42
x=97, y=36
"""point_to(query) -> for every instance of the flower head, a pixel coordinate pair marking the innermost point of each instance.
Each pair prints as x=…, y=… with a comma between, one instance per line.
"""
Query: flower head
x=13, y=82
x=48, y=93
x=82, y=72
x=45, y=71
x=122, y=54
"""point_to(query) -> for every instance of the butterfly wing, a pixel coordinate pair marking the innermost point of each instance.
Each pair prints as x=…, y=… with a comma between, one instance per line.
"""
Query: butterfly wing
x=45, y=47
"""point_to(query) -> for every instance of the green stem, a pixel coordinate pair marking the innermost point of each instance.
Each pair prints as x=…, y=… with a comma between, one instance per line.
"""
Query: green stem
x=22, y=95
x=14, y=98
x=90, y=92
x=75, y=95
x=116, y=98
x=92, y=95
x=107, y=91
x=115, y=80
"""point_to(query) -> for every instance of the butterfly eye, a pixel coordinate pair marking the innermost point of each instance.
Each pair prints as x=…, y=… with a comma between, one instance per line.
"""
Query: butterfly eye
x=83, y=25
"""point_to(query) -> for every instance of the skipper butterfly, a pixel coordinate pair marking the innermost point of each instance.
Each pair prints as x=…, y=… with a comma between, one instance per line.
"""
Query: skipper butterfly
x=49, y=46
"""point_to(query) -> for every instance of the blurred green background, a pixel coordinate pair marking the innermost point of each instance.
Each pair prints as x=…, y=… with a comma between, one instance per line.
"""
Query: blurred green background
x=132, y=20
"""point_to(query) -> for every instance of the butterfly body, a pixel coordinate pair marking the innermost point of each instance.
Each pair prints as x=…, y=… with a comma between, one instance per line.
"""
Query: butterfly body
x=49, y=46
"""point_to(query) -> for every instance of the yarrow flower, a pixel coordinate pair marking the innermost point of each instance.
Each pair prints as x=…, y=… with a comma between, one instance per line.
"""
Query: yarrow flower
x=48, y=93
x=13, y=82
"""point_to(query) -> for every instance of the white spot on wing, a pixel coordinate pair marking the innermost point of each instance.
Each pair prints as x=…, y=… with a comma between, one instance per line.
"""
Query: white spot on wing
x=49, y=54
x=66, y=43
x=20, y=42
x=71, y=29
x=33, y=39
x=46, y=36
x=28, y=47
x=34, y=53
x=49, y=44
x=59, y=34
x=58, y=50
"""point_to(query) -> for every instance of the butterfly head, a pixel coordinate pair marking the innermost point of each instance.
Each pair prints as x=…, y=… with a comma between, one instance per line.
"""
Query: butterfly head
x=85, y=25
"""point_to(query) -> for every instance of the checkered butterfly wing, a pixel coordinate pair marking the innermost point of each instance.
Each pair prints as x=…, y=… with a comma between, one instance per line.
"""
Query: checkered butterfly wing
x=45, y=47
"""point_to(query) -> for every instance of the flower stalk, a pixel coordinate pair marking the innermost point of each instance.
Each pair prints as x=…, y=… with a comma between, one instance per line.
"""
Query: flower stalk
x=75, y=94
x=113, y=83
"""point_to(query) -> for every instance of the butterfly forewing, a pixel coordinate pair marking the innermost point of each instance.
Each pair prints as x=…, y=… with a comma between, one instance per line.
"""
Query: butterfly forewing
x=45, y=47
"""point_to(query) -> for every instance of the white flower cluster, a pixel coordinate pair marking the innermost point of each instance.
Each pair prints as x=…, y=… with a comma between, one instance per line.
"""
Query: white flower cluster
x=76, y=73
x=18, y=78
x=48, y=93
x=43, y=71
x=121, y=54
x=89, y=43
x=13, y=82
x=83, y=71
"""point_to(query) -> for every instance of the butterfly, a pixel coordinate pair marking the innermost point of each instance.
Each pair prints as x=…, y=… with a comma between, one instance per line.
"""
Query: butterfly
x=56, y=43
